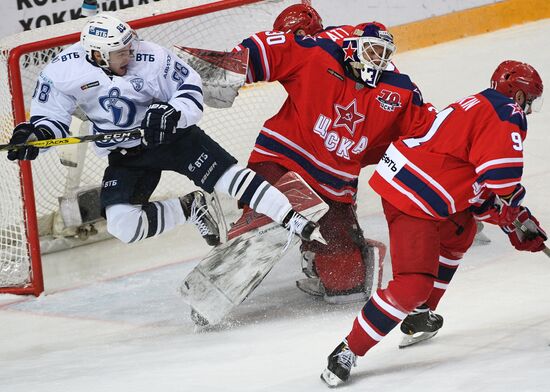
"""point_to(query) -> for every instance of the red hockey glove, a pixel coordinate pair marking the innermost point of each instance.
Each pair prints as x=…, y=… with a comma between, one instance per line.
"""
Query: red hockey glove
x=509, y=207
x=525, y=233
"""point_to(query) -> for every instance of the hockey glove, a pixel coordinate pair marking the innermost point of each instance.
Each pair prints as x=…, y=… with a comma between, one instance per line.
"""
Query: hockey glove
x=509, y=207
x=159, y=124
x=27, y=132
x=484, y=208
x=525, y=233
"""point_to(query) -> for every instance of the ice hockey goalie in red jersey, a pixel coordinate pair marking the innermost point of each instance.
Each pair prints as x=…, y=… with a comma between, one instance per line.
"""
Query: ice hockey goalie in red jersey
x=303, y=19
x=341, y=113
x=431, y=185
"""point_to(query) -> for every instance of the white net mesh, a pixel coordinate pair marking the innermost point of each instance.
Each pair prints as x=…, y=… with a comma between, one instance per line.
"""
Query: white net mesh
x=234, y=128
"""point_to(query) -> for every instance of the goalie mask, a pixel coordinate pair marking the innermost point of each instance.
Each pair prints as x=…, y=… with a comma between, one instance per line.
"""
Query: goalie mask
x=112, y=38
x=513, y=76
x=299, y=17
x=368, y=52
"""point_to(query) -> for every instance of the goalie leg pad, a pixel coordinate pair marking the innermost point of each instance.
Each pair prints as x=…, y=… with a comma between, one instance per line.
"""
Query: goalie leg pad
x=339, y=264
x=231, y=271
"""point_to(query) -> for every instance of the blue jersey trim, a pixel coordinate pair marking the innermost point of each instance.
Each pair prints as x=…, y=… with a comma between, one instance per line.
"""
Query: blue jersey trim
x=423, y=191
x=504, y=108
x=191, y=87
x=379, y=319
x=502, y=173
x=317, y=174
x=255, y=59
x=191, y=98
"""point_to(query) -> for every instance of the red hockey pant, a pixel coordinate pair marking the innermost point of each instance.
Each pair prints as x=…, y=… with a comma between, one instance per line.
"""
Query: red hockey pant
x=416, y=246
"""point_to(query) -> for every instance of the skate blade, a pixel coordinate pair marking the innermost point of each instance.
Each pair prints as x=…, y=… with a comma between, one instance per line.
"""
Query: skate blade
x=316, y=236
x=331, y=379
x=481, y=239
x=409, y=340
x=311, y=286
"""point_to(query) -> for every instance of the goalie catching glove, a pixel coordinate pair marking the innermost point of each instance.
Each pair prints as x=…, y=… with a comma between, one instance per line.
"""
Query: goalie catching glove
x=525, y=232
x=160, y=124
x=24, y=133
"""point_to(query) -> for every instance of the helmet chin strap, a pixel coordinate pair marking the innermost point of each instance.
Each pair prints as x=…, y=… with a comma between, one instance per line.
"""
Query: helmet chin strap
x=104, y=67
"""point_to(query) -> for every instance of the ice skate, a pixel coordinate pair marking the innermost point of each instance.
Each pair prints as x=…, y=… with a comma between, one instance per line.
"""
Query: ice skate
x=311, y=286
x=356, y=294
x=307, y=230
x=196, y=211
x=340, y=362
x=481, y=238
x=422, y=324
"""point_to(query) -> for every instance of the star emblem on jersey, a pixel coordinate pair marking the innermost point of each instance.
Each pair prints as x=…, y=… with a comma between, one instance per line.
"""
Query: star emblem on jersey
x=348, y=116
x=516, y=109
x=349, y=51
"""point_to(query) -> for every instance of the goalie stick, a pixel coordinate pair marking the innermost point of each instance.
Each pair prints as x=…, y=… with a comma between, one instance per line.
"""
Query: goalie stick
x=231, y=271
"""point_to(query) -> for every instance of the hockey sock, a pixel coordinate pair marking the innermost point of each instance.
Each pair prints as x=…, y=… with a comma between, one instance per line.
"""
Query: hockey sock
x=250, y=188
x=447, y=269
x=377, y=318
x=130, y=223
x=387, y=308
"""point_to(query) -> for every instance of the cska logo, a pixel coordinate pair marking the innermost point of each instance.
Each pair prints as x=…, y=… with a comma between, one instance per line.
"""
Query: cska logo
x=389, y=100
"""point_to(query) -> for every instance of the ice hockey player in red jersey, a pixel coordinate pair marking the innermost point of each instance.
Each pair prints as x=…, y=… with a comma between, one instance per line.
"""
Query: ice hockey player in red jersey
x=428, y=185
x=302, y=20
x=342, y=112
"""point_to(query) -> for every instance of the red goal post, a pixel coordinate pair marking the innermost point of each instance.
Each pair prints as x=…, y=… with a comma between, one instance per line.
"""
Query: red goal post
x=29, y=192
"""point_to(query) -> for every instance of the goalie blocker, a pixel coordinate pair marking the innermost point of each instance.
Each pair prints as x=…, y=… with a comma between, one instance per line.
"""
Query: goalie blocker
x=231, y=271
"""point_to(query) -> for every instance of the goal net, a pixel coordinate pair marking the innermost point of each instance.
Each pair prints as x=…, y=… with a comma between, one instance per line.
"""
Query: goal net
x=30, y=222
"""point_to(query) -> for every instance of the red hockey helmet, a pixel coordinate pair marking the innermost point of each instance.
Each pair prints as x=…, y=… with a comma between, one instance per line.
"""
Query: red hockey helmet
x=299, y=16
x=512, y=76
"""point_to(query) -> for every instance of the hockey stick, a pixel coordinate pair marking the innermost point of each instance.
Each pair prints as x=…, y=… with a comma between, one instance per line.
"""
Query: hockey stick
x=530, y=234
x=117, y=136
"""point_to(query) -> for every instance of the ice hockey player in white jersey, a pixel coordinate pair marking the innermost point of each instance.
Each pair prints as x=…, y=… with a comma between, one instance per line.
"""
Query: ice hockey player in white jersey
x=122, y=83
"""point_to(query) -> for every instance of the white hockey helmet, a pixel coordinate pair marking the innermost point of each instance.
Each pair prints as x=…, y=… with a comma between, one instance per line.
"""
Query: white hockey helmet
x=106, y=33
x=369, y=50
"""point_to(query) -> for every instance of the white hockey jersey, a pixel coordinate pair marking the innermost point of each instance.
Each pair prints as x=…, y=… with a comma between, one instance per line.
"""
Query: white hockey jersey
x=114, y=103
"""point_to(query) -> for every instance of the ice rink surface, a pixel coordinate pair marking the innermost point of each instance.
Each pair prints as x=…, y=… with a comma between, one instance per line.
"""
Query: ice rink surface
x=128, y=330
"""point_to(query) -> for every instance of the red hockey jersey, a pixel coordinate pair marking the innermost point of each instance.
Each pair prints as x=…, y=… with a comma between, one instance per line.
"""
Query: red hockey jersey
x=474, y=145
x=330, y=125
